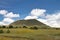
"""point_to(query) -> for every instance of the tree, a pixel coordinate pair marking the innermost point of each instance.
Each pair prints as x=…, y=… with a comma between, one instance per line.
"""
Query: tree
x=10, y=26
x=1, y=31
x=16, y=27
x=24, y=27
x=0, y=26
x=34, y=27
x=3, y=26
x=8, y=31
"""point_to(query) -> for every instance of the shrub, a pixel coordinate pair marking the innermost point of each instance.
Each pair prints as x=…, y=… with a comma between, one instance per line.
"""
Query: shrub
x=0, y=27
x=8, y=31
x=16, y=27
x=1, y=31
x=3, y=26
x=24, y=27
x=34, y=28
x=31, y=28
x=57, y=28
x=10, y=26
x=19, y=27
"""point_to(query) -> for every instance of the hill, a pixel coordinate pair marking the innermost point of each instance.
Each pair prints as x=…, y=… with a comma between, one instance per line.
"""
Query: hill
x=31, y=22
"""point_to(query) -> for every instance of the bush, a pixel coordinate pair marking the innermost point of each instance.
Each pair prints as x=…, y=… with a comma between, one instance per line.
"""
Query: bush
x=0, y=27
x=34, y=28
x=8, y=31
x=24, y=27
x=57, y=28
x=3, y=26
x=1, y=31
x=16, y=27
x=10, y=26
x=19, y=27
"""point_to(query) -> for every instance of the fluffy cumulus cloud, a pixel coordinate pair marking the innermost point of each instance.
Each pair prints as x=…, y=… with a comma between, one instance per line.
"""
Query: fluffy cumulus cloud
x=3, y=12
x=31, y=17
x=52, y=20
x=8, y=17
x=8, y=20
x=2, y=23
x=35, y=13
x=38, y=12
x=11, y=15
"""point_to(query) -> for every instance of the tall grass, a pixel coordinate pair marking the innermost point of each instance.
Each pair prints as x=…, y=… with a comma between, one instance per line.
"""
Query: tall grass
x=28, y=34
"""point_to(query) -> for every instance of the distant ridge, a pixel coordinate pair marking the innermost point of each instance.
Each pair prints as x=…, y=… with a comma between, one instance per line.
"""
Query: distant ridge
x=30, y=22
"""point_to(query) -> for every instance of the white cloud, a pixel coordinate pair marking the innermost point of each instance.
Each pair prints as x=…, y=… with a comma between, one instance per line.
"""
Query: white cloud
x=7, y=14
x=8, y=17
x=42, y=20
x=2, y=23
x=38, y=12
x=35, y=13
x=31, y=17
x=3, y=12
x=8, y=20
x=52, y=20
x=11, y=15
x=54, y=16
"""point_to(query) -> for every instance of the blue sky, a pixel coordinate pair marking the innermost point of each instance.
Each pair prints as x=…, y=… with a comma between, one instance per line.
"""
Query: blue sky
x=24, y=7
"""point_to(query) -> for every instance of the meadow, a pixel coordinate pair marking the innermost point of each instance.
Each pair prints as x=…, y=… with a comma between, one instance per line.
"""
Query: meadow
x=30, y=34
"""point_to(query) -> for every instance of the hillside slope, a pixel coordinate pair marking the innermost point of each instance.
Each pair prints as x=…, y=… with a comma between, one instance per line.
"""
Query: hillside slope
x=31, y=22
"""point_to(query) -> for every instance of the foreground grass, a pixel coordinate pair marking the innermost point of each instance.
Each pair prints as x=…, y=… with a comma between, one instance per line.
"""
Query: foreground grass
x=29, y=34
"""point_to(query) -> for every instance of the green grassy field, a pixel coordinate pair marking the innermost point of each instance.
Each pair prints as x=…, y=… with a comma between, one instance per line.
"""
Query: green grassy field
x=29, y=34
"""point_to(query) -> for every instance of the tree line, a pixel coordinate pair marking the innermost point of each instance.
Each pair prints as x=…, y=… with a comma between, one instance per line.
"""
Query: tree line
x=33, y=27
x=10, y=26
